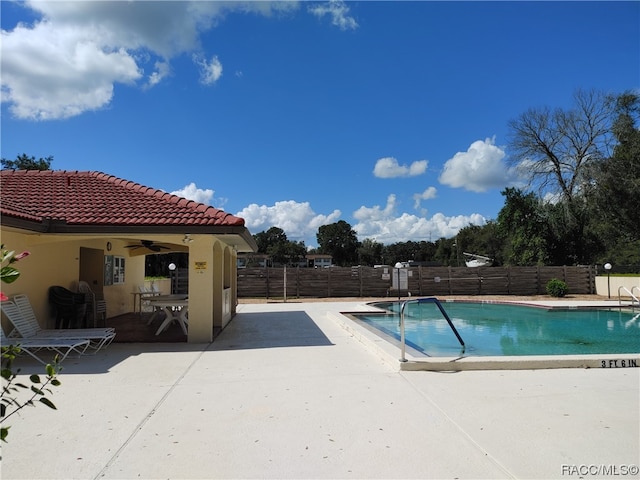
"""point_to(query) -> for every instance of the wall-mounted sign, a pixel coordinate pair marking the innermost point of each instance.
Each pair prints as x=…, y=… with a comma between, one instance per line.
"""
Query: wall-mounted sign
x=200, y=265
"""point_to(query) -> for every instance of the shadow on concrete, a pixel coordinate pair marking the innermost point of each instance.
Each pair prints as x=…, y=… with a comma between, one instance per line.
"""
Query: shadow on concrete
x=245, y=331
x=270, y=330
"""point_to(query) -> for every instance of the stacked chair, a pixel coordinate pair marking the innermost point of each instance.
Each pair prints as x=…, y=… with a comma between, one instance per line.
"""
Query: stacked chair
x=95, y=306
x=70, y=307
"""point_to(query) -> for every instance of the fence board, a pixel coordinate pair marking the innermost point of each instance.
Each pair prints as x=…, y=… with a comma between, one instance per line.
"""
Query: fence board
x=258, y=282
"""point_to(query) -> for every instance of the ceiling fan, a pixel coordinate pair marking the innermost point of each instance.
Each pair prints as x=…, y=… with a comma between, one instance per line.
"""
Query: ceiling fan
x=148, y=244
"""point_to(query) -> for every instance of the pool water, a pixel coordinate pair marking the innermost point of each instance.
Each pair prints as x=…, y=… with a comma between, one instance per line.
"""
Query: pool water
x=490, y=329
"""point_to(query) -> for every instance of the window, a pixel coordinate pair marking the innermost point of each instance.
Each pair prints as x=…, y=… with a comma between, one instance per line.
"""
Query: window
x=118, y=270
x=113, y=270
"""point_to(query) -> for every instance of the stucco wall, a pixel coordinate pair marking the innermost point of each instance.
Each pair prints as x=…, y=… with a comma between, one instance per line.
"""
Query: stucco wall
x=602, y=286
x=55, y=260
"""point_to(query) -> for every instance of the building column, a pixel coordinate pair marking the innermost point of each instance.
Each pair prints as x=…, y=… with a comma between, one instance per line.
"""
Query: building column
x=202, y=284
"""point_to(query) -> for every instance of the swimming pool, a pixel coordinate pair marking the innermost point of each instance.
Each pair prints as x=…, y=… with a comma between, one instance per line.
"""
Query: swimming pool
x=510, y=330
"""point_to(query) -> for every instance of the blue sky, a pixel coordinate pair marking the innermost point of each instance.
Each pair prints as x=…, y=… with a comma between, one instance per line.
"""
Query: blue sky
x=391, y=116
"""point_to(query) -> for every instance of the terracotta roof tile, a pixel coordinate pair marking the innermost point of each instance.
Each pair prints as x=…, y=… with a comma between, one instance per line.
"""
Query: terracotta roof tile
x=95, y=198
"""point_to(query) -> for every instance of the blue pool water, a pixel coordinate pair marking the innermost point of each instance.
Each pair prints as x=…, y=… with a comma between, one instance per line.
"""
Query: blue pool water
x=510, y=330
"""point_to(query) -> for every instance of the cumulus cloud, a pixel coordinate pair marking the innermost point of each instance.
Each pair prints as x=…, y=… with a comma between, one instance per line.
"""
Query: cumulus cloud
x=478, y=169
x=68, y=61
x=388, y=167
x=210, y=71
x=386, y=225
x=428, y=194
x=162, y=70
x=192, y=192
x=52, y=73
x=338, y=11
x=297, y=219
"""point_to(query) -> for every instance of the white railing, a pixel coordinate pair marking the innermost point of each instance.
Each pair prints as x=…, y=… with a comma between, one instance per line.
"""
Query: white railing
x=634, y=300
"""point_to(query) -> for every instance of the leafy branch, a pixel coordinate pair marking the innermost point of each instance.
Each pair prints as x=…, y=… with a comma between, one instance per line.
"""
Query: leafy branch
x=9, y=404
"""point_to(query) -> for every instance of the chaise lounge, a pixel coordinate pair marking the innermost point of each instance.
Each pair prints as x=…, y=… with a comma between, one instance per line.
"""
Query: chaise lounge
x=21, y=315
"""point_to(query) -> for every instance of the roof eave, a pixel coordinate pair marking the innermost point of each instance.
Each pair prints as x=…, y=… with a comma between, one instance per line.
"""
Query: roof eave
x=243, y=242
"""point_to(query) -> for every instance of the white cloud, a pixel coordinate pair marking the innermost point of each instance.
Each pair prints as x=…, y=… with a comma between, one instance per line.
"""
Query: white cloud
x=478, y=169
x=388, y=167
x=428, y=194
x=297, y=219
x=68, y=61
x=386, y=226
x=162, y=70
x=339, y=13
x=210, y=71
x=52, y=73
x=192, y=192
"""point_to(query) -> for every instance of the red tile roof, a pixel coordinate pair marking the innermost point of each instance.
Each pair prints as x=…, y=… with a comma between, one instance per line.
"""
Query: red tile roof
x=98, y=199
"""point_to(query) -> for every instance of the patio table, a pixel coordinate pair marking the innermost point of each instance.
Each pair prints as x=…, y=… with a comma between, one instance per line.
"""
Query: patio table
x=176, y=308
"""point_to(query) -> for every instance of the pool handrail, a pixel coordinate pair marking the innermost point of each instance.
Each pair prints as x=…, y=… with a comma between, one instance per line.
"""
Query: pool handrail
x=444, y=314
x=634, y=300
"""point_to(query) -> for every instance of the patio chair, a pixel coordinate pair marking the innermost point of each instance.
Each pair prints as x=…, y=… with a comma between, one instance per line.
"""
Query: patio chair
x=95, y=305
x=32, y=346
x=146, y=295
x=70, y=307
x=21, y=315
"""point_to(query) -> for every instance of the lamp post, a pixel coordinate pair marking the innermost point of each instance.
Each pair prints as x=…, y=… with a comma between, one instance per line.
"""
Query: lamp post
x=398, y=267
x=607, y=267
x=172, y=268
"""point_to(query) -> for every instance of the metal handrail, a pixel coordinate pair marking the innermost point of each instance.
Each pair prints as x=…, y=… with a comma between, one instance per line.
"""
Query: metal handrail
x=630, y=292
x=444, y=314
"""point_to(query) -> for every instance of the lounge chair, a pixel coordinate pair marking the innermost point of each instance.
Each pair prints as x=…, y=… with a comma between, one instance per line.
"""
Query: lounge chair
x=19, y=312
x=61, y=346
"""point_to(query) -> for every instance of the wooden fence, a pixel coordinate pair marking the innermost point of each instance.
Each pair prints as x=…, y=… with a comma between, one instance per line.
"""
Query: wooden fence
x=422, y=281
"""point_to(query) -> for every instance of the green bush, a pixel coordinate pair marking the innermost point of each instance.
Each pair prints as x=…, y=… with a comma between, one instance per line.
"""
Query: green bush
x=556, y=288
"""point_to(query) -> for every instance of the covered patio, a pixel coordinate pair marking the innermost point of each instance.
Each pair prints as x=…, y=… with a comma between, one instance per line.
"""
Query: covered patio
x=97, y=228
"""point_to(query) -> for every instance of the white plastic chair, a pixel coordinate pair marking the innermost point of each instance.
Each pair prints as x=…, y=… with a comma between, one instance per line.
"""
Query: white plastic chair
x=96, y=306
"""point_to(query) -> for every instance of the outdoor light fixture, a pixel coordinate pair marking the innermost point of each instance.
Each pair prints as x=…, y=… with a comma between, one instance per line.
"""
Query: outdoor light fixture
x=398, y=267
x=172, y=276
x=607, y=267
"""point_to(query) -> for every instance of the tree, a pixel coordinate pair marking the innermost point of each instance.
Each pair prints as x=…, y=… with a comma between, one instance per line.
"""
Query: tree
x=370, y=253
x=482, y=240
x=446, y=252
x=340, y=241
x=616, y=195
x=281, y=251
x=555, y=147
x=522, y=225
x=558, y=150
x=24, y=162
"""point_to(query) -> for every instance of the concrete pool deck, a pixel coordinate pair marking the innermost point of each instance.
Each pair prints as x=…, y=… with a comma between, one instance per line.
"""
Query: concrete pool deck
x=286, y=392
